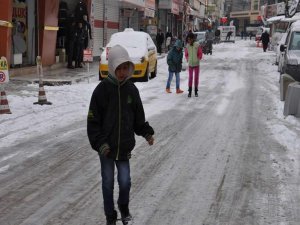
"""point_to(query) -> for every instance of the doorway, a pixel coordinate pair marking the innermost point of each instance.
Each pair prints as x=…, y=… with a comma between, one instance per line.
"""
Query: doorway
x=24, y=33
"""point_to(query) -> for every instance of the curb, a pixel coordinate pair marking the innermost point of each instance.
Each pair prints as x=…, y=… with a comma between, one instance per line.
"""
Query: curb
x=53, y=81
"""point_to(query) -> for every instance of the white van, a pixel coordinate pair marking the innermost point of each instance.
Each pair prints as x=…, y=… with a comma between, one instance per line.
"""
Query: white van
x=291, y=52
x=224, y=31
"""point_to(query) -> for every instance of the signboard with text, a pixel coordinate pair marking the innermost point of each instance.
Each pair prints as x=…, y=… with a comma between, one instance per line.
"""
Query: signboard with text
x=4, y=76
x=87, y=55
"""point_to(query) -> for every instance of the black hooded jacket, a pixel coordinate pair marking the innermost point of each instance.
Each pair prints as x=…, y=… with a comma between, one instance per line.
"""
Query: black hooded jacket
x=116, y=113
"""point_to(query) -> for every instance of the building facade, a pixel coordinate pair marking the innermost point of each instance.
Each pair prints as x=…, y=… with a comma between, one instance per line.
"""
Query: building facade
x=31, y=28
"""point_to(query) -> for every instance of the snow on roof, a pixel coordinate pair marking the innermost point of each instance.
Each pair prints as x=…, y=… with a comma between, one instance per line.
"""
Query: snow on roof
x=129, y=38
x=275, y=18
x=296, y=25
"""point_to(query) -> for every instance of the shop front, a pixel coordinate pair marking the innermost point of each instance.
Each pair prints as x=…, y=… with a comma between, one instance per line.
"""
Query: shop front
x=132, y=14
x=170, y=16
x=33, y=33
x=34, y=27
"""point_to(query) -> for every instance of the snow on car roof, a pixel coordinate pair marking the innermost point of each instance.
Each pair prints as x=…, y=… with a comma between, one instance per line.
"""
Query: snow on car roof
x=275, y=19
x=129, y=38
x=296, y=25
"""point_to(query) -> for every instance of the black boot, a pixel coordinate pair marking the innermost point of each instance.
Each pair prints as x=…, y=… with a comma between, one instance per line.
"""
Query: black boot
x=112, y=219
x=125, y=214
x=190, y=92
x=196, y=92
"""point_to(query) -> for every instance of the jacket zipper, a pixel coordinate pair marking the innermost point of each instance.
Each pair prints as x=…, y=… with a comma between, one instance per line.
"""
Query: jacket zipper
x=118, y=152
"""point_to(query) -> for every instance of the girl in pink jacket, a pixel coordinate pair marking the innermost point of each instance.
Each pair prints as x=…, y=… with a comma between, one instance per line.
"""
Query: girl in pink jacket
x=193, y=55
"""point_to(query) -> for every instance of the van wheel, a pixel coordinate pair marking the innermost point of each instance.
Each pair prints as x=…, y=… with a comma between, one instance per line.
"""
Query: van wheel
x=153, y=74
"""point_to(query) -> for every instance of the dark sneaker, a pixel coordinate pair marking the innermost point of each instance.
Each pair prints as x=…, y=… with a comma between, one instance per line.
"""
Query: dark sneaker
x=125, y=214
x=112, y=219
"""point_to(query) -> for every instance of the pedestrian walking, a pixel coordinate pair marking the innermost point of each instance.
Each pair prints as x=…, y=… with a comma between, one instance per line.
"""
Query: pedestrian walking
x=228, y=35
x=115, y=115
x=217, y=36
x=265, y=39
x=159, y=40
x=250, y=35
x=209, y=37
x=193, y=55
x=174, y=61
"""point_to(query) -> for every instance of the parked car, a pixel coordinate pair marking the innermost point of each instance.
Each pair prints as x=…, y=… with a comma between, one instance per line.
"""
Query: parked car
x=141, y=50
x=279, y=54
x=200, y=37
x=291, y=51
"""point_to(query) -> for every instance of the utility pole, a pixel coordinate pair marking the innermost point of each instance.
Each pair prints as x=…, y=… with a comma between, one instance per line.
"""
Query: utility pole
x=104, y=23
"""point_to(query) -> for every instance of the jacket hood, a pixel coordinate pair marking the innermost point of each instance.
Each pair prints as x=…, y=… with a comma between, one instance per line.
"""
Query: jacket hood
x=178, y=43
x=116, y=56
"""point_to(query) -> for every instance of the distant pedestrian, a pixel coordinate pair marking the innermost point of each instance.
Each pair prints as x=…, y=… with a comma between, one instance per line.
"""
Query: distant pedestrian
x=71, y=39
x=209, y=37
x=193, y=55
x=168, y=40
x=159, y=40
x=115, y=116
x=80, y=36
x=250, y=35
x=229, y=33
x=217, y=36
x=265, y=39
x=174, y=61
x=87, y=30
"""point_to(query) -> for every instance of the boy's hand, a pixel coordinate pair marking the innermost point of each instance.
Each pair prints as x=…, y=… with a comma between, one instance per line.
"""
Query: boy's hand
x=150, y=140
x=104, y=150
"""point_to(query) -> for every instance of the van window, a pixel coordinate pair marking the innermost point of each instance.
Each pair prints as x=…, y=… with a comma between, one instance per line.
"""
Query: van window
x=280, y=27
x=295, y=41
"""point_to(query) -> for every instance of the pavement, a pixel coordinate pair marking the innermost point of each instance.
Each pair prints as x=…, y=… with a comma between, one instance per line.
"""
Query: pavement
x=58, y=76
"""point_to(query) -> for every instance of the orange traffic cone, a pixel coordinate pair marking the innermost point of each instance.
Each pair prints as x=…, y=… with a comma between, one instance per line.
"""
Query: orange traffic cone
x=4, y=107
x=42, y=99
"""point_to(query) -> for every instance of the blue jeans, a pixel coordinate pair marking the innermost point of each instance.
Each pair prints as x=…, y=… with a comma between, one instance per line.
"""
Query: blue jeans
x=171, y=77
x=124, y=180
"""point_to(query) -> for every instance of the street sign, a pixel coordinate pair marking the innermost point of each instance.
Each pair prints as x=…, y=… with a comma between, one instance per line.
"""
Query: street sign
x=293, y=4
x=87, y=55
x=4, y=76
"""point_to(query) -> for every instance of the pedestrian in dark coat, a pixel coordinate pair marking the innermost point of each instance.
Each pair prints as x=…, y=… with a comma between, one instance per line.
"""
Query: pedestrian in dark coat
x=174, y=61
x=159, y=40
x=228, y=35
x=88, y=31
x=71, y=39
x=265, y=39
x=79, y=44
x=169, y=38
x=80, y=10
x=115, y=115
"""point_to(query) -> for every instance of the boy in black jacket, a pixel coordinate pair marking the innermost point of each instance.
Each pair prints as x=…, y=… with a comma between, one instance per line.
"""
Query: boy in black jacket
x=116, y=113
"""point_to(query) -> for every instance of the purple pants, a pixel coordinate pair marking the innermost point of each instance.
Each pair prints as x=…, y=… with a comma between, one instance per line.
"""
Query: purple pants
x=191, y=71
